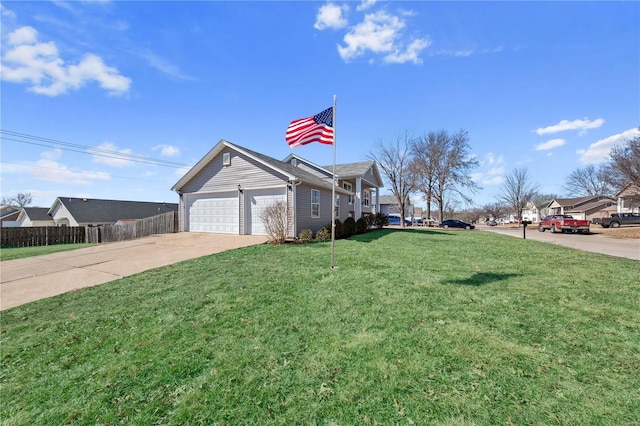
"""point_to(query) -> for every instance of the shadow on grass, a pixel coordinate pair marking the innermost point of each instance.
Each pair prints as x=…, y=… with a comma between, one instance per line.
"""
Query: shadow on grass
x=481, y=278
x=379, y=233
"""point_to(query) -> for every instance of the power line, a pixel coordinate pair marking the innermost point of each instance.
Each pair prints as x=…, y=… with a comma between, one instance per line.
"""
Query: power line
x=96, y=174
x=84, y=149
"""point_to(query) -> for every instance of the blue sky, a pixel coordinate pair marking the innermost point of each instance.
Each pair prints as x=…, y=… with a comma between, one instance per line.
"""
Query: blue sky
x=546, y=86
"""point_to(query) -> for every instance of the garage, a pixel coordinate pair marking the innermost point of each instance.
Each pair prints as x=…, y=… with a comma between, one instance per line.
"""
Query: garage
x=213, y=213
x=255, y=202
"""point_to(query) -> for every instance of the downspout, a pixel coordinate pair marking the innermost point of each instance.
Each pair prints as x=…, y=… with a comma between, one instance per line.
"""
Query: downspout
x=294, y=183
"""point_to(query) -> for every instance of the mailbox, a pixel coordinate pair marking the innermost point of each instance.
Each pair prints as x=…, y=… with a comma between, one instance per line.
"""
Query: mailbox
x=525, y=223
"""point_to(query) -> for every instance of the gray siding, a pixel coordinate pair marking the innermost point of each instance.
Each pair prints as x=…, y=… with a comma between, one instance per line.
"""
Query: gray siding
x=303, y=209
x=216, y=177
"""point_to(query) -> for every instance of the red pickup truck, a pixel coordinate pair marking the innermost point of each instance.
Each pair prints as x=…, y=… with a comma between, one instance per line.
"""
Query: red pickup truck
x=563, y=223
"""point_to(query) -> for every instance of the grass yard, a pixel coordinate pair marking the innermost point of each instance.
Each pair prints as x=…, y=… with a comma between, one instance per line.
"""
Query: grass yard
x=11, y=253
x=414, y=327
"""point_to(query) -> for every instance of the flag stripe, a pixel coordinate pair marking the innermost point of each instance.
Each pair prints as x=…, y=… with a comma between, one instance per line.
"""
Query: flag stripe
x=318, y=128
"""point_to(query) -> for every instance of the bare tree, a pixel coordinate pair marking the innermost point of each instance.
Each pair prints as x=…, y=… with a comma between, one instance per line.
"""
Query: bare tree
x=428, y=153
x=624, y=165
x=589, y=180
x=274, y=217
x=517, y=191
x=22, y=199
x=394, y=159
x=495, y=210
x=452, y=175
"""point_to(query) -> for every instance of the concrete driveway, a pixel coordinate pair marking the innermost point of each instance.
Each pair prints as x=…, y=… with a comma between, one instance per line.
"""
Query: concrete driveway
x=29, y=279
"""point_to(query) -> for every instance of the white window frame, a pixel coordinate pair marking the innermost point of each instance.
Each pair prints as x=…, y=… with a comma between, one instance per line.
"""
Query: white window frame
x=226, y=159
x=366, y=200
x=315, y=203
x=348, y=187
x=294, y=162
x=337, y=213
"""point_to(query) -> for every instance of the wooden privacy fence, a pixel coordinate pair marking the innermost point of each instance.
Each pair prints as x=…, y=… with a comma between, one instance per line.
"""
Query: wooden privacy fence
x=41, y=236
x=164, y=223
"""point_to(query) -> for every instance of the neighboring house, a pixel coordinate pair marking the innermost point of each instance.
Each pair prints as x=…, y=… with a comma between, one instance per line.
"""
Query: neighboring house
x=535, y=213
x=227, y=190
x=9, y=216
x=389, y=206
x=628, y=199
x=68, y=211
x=589, y=207
x=35, y=216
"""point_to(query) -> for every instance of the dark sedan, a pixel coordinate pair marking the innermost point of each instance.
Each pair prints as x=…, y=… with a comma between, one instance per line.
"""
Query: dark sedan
x=454, y=223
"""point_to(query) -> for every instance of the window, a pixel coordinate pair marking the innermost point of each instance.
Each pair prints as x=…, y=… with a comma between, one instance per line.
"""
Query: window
x=315, y=203
x=294, y=162
x=226, y=159
x=366, y=201
x=348, y=187
x=337, y=209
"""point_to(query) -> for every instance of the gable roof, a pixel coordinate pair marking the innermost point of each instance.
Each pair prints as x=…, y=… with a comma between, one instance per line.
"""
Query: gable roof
x=593, y=204
x=7, y=210
x=88, y=210
x=575, y=202
x=346, y=170
x=36, y=213
x=293, y=173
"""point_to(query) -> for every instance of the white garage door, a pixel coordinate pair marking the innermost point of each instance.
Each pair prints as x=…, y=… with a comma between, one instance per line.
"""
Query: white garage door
x=255, y=202
x=213, y=213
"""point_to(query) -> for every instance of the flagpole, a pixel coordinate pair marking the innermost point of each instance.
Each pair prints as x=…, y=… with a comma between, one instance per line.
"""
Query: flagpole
x=333, y=189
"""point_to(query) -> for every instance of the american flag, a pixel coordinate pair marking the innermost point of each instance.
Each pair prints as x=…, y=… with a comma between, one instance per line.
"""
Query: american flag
x=318, y=128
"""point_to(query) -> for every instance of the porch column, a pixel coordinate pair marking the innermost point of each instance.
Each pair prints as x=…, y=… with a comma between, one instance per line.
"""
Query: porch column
x=377, y=200
x=358, y=200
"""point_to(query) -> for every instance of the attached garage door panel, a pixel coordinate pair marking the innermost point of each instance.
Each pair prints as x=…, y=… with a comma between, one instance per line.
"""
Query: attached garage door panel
x=256, y=202
x=214, y=213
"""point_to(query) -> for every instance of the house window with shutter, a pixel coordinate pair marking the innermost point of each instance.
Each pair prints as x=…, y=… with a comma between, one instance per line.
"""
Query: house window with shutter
x=366, y=198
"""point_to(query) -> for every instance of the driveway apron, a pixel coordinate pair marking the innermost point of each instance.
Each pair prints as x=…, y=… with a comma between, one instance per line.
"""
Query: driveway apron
x=29, y=279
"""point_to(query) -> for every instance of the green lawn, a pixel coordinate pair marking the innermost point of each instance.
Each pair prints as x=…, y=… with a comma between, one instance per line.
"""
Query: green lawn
x=11, y=253
x=414, y=327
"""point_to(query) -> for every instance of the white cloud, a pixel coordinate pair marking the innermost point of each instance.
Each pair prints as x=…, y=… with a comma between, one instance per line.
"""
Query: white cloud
x=365, y=4
x=180, y=172
x=331, y=15
x=563, y=125
x=48, y=170
x=39, y=64
x=496, y=171
x=167, y=150
x=496, y=180
x=107, y=153
x=550, y=144
x=598, y=152
x=7, y=12
x=410, y=54
x=163, y=66
x=381, y=33
x=490, y=158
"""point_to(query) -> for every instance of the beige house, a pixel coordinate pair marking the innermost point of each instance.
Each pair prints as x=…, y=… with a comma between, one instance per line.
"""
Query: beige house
x=35, y=216
x=628, y=199
x=588, y=207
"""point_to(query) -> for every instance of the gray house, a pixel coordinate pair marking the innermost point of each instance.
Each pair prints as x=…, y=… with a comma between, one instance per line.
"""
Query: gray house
x=69, y=211
x=389, y=206
x=230, y=186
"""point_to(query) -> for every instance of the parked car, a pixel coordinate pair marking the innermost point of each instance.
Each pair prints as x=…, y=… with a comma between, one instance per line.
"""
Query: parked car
x=395, y=220
x=455, y=223
x=492, y=222
x=618, y=219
